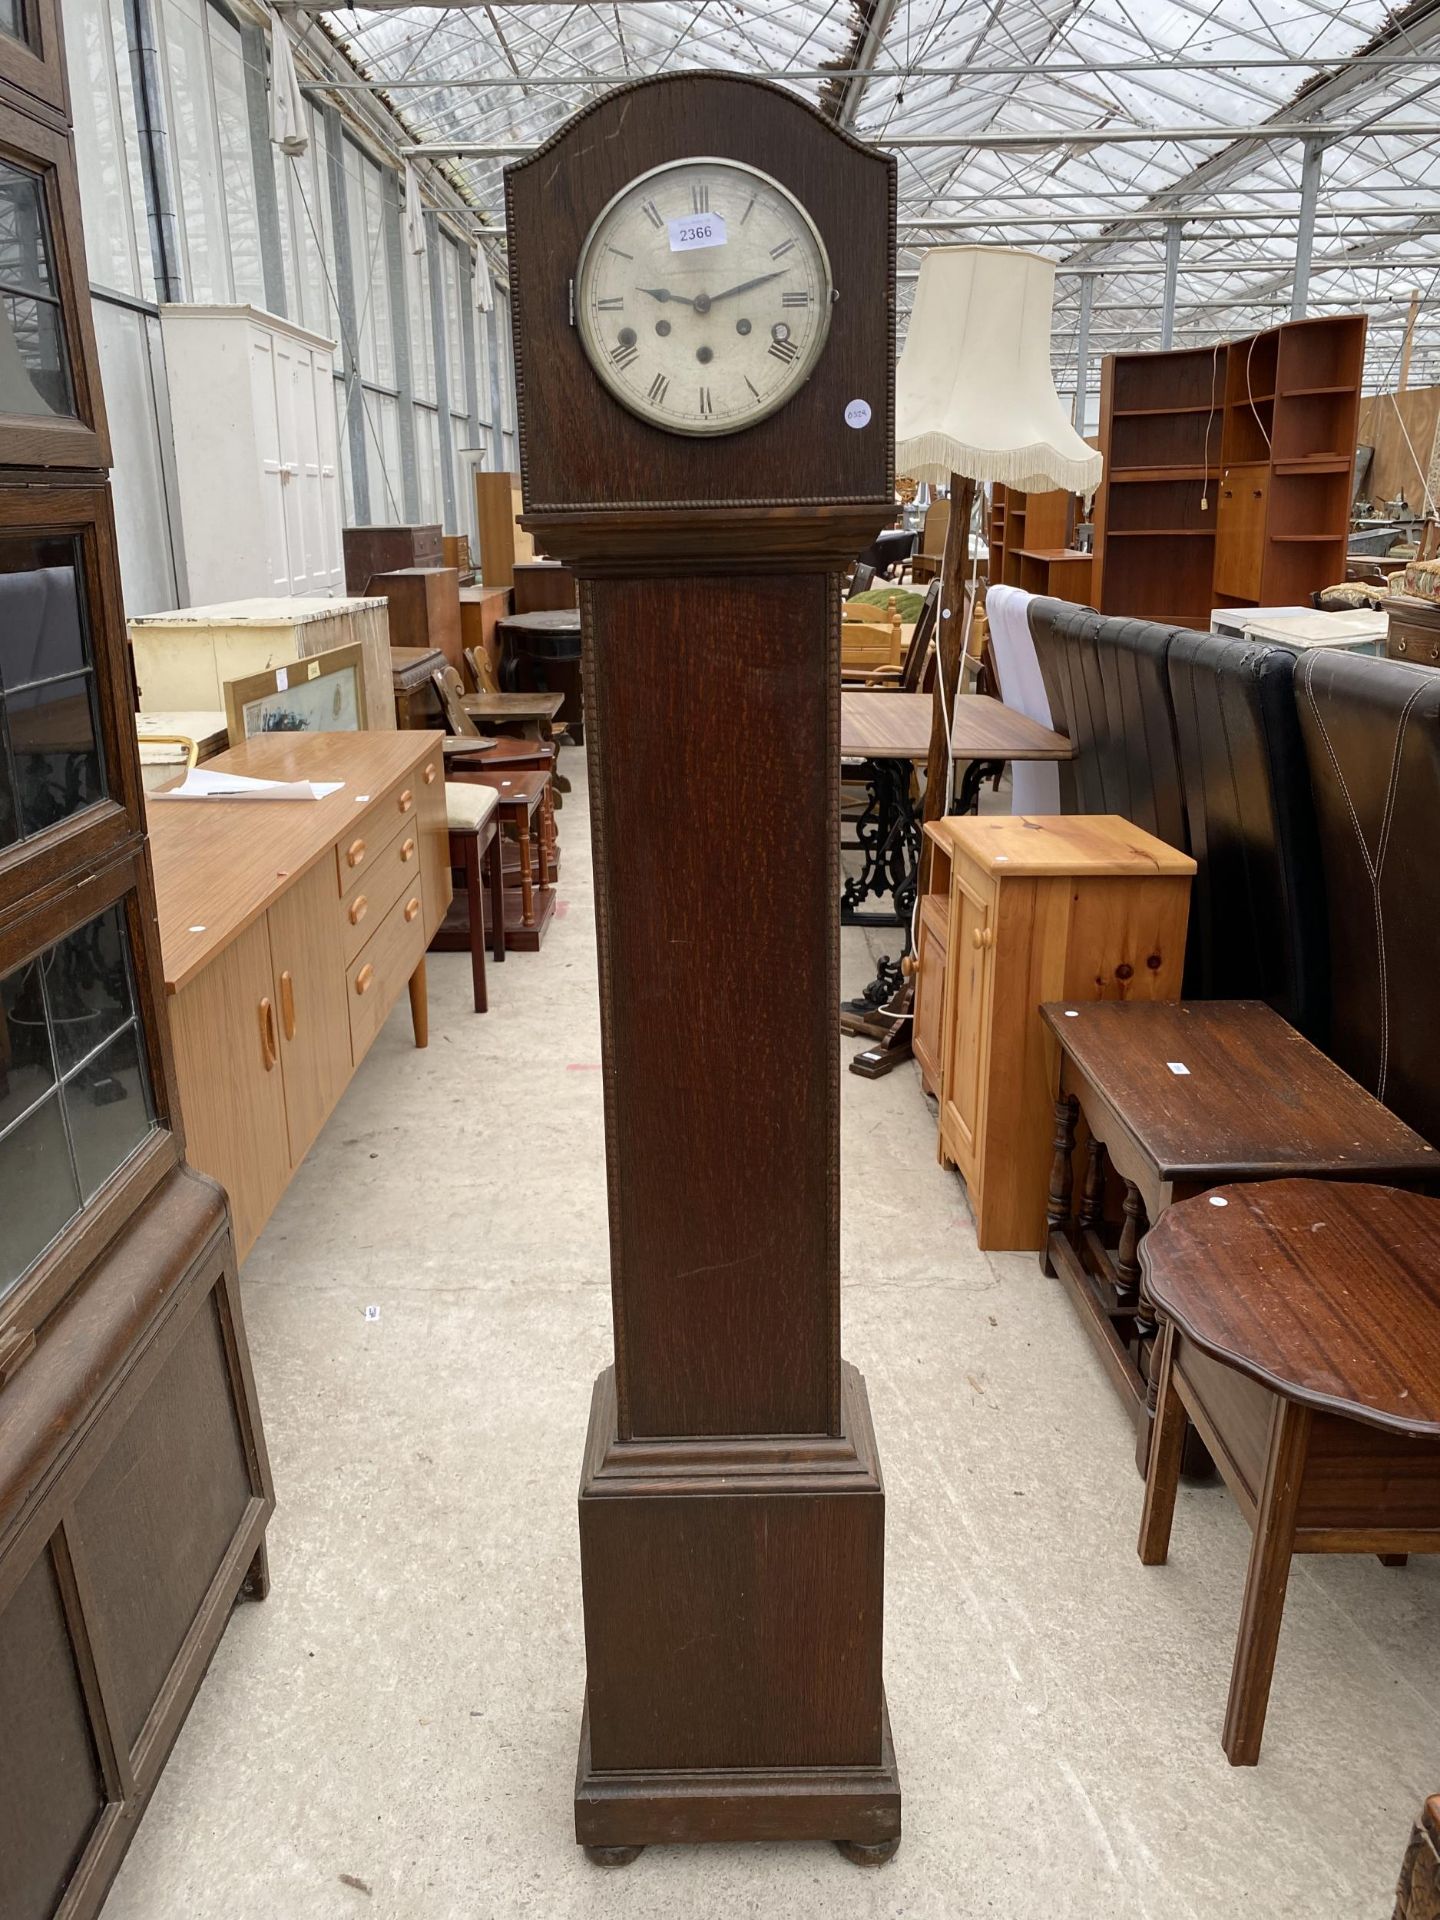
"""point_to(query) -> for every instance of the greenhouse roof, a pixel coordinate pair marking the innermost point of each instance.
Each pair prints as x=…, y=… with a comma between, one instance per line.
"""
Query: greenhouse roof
x=1169, y=155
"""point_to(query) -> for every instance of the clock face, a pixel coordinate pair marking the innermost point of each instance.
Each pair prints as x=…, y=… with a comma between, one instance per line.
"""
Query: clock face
x=703, y=296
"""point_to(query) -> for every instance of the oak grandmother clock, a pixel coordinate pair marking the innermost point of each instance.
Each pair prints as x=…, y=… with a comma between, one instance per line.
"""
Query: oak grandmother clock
x=702, y=275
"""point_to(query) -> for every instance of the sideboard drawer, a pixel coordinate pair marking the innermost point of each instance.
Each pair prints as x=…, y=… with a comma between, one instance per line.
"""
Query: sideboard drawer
x=358, y=853
x=383, y=878
x=379, y=973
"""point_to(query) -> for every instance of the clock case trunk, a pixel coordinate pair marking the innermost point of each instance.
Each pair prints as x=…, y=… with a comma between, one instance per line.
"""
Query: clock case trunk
x=731, y=1501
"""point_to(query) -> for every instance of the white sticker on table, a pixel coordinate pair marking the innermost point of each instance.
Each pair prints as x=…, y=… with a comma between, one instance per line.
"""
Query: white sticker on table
x=282, y=679
x=695, y=230
x=1177, y=1066
x=857, y=413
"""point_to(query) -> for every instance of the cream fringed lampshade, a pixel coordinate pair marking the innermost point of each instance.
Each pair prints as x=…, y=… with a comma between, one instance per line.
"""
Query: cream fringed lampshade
x=973, y=391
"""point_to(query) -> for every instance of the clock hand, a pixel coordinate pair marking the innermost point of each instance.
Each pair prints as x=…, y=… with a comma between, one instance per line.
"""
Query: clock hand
x=746, y=285
x=664, y=293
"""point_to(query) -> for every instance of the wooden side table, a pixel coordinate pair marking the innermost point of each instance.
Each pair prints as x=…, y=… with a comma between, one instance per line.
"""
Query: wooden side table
x=1086, y=905
x=1174, y=1098
x=1301, y=1335
x=526, y=808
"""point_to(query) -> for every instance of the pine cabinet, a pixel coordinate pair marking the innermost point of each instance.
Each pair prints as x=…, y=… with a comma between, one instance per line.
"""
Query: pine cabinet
x=252, y=401
x=1035, y=908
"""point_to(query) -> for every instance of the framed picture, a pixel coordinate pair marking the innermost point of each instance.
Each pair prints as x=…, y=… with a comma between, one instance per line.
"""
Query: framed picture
x=322, y=694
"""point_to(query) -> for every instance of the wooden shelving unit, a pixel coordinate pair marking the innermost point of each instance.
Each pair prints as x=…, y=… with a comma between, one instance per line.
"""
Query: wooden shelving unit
x=1030, y=547
x=1161, y=423
x=1227, y=471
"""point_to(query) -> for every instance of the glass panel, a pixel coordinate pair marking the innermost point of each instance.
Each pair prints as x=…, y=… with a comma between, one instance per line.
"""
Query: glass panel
x=34, y=371
x=103, y=149
x=71, y=1009
x=42, y=631
x=27, y=1061
x=54, y=750
x=38, y=1189
x=87, y=987
x=34, y=366
x=194, y=145
x=12, y=19
x=107, y=1102
x=232, y=122
x=24, y=231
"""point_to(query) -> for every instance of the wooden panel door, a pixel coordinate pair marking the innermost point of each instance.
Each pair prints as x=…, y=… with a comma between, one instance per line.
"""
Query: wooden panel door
x=1240, y=532
x=930, y=987
x=310, y=1012
x=269, y=456
x=227, y=1058
x=968, y=1011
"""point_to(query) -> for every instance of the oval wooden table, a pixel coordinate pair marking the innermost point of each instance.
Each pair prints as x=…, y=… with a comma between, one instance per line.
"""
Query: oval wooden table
x=1301, y=1335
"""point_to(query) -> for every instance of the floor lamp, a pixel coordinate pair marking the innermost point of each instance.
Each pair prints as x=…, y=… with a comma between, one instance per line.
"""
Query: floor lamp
x=975, y=402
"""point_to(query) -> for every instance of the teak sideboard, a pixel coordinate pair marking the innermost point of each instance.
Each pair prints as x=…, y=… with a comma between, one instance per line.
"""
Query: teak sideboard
x=1020, y=909
x=288, y=930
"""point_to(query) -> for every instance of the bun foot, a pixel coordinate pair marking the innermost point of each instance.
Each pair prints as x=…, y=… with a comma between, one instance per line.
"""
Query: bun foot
x=859, y=1854
x=612, y=1856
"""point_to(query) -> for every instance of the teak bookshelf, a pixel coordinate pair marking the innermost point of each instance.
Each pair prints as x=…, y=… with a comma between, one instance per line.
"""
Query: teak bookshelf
x=1227, y=471
x=1030, y=536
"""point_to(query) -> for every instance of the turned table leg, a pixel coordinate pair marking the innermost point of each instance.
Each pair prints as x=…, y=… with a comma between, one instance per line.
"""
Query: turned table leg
x=1265, y=1583
x=547, y=837
x=527, y=877
x=1062, y=1174
x=1092, y=1196
x=420, y=1006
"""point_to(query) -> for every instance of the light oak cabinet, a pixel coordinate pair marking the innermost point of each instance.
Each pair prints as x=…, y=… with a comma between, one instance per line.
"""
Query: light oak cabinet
x=285, y=947
x=310, y=1011
x=1036, y=908
x=226, y=1060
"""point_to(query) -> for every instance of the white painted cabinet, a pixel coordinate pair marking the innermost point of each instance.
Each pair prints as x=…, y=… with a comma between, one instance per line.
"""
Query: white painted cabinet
x=252, y=407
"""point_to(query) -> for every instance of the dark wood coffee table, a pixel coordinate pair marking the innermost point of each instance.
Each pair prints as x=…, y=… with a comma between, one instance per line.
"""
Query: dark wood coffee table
x=1177, y=1097
x=1301, y=1335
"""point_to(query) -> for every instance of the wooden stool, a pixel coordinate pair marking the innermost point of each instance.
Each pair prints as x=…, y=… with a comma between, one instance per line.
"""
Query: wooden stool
x=1177, y=1097
x=473, y=817
x=525, y=808
x=1301, y=1335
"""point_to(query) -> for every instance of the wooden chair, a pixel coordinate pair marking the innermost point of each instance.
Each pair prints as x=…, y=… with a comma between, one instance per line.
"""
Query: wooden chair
x=868, y=644
x=909, y=676
x=472, y=814
x=925, y=564
x=468, y=750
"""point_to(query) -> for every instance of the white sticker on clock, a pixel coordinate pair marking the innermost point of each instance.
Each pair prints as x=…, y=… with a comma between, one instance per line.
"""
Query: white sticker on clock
x=696, y=230
x=857, y=413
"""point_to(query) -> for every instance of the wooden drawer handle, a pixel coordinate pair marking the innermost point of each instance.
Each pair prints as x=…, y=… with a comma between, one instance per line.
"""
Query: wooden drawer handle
x=1402, y=646
x=412, y=907
x=983, y=937
x=365, y=978
x=287, y=1004
x=355, y=853
x=268, y=1049
x=407, y=849
x=430, y=773
x=359, y=907
x=407, y=800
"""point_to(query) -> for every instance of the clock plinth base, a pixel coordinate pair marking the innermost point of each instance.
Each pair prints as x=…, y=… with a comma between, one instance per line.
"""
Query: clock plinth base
x=617, y=1815
x=733, y=1594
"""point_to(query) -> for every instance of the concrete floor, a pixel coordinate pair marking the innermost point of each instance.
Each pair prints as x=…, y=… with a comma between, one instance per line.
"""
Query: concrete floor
x=393, y=1732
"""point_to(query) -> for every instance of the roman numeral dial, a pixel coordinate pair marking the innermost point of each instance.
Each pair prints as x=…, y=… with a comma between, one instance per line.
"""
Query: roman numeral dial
x=702, y=297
